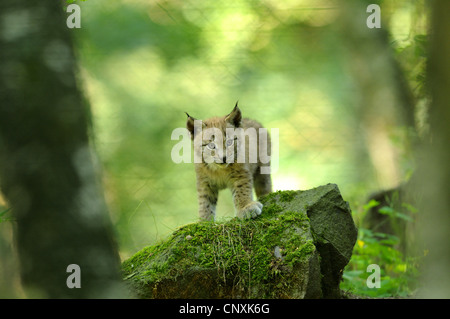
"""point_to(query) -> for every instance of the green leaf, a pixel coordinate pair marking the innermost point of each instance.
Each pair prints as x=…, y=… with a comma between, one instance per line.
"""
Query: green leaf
x=421, y=42
x=372, y=203
x=4, y=212
x=403, y=216
x=386, y=210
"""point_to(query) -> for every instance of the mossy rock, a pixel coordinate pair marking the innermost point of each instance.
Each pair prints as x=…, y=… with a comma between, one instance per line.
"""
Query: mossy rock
x=277, y=255
x=332, y=227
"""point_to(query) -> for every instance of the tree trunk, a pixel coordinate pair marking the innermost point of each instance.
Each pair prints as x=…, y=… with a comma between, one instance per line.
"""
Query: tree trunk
x=384, y=101
x=434, y=159
x=47, y=172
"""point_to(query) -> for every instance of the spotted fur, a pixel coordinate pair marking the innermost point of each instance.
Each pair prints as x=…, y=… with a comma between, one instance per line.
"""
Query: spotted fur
x=215, y=172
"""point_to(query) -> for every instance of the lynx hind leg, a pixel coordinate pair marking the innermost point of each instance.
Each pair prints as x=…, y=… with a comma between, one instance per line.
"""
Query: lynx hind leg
x=262, y=183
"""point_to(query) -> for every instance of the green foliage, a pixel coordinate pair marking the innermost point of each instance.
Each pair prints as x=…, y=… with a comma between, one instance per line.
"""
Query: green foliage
x=399, y=272
x=3, y=217
x=64, y=7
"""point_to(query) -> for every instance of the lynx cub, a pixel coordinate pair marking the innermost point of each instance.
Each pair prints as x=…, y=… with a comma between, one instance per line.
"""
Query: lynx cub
x=230, y=149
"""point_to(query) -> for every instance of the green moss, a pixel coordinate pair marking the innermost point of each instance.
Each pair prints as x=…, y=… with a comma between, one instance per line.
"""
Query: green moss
x=287, y=196
x=299, y=253
x=242, y=250
x=282, y=196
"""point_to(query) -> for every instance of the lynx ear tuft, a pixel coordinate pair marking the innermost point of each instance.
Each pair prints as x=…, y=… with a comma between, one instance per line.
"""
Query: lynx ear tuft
x=235, y=116
x=190, y=124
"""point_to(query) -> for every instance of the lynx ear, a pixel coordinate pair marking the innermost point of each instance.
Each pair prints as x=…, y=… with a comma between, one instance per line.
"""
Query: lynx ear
x=235, y=116
x=192, y=126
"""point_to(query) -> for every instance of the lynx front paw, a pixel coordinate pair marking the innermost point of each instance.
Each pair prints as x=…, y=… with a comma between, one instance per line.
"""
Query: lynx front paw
x=251, y=210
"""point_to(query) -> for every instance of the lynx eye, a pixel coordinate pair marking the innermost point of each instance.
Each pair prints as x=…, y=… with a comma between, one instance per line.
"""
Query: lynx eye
x=211, y=146
x=230, y=142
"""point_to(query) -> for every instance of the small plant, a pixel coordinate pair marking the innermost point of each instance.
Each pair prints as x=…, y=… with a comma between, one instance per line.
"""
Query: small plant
x=399, y=272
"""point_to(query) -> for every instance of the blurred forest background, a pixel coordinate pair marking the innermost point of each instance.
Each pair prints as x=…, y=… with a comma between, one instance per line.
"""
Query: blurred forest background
x=349, y=103
x=143, y=63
